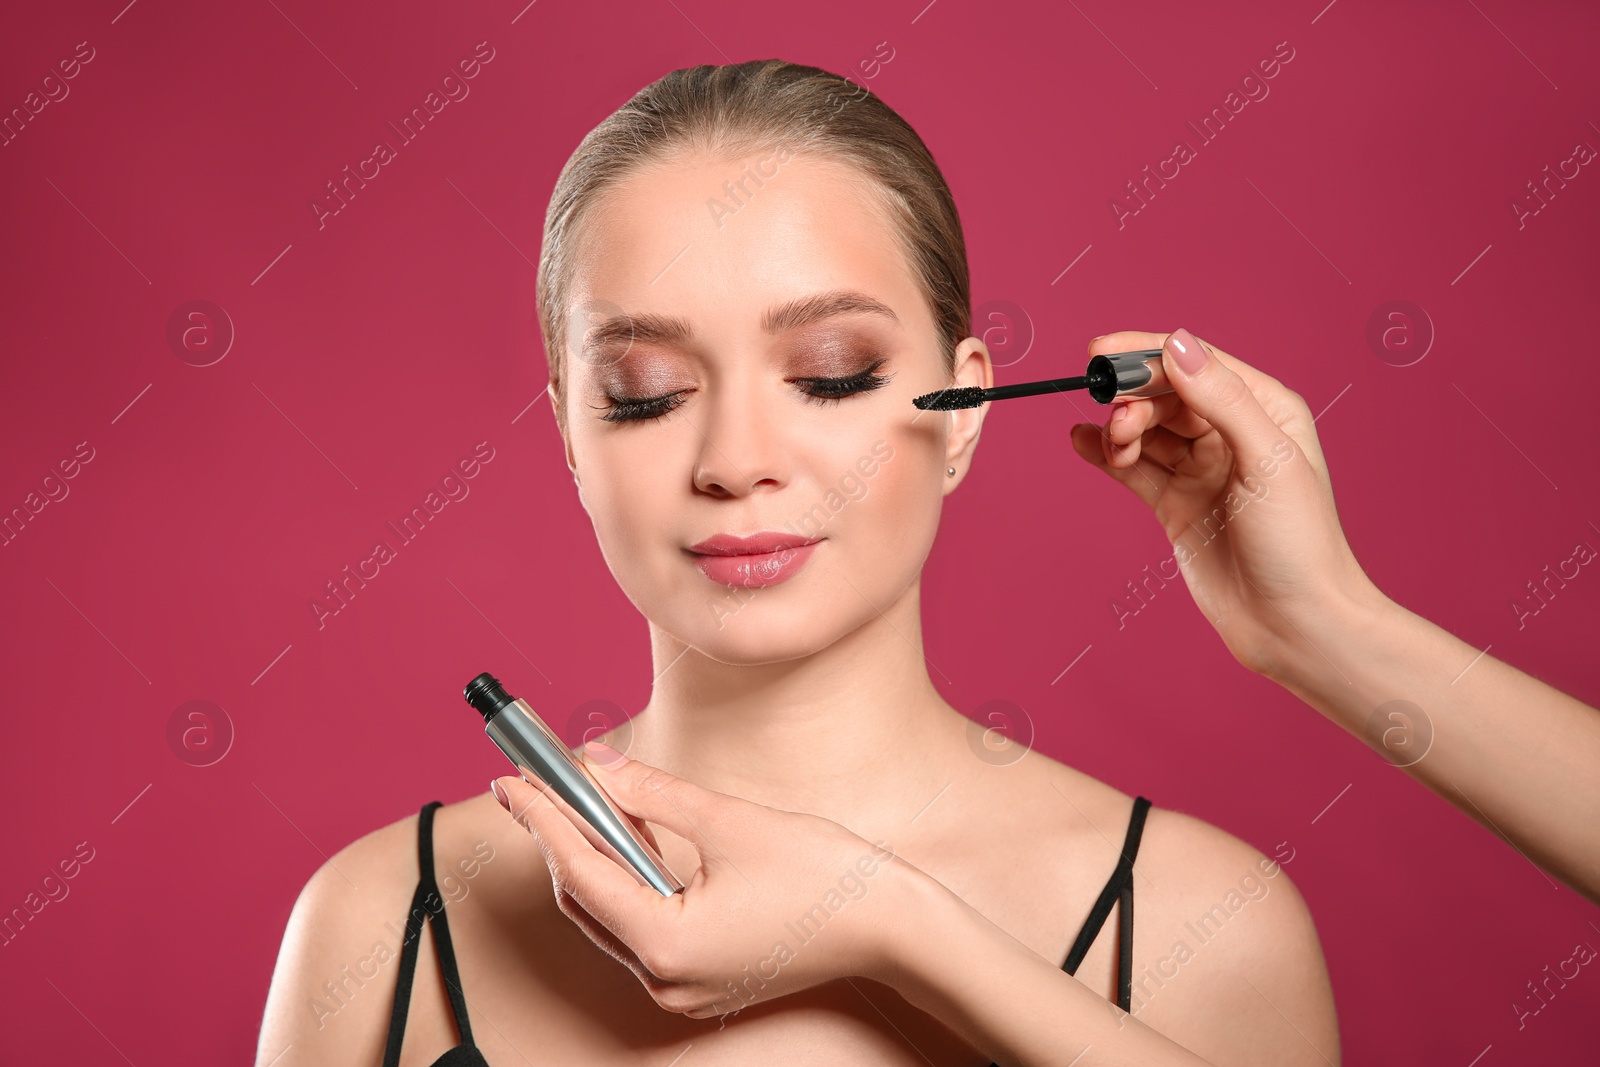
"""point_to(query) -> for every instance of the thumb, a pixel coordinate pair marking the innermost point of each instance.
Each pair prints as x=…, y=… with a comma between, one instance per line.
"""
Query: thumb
x=651, y=793
x=1220, y=395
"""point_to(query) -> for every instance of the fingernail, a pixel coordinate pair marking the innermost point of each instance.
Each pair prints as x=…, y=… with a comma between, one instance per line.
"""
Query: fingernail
x=499, y=794
x=604, y=755
x=1119, y=414
x=1186, y=351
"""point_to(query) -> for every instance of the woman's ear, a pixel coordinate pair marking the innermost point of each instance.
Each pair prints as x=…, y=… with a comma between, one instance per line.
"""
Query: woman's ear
x=974, y=369
x=566, y=442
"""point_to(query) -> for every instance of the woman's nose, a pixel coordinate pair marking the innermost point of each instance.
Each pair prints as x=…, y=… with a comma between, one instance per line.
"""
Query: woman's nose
x=740, y=448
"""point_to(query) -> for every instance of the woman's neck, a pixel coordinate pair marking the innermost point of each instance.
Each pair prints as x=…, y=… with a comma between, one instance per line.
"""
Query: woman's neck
x=855, y=732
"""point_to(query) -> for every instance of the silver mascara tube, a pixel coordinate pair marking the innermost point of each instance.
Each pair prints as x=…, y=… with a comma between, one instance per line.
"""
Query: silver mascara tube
x=535, y=750
x=1126, y=374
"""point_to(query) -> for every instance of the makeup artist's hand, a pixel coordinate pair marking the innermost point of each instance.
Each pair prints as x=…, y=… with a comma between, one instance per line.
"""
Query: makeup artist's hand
x=1231, y=465
x=737, y=934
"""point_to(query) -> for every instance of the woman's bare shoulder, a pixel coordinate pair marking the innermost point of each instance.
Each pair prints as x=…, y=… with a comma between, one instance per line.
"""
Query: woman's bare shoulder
x=1223, y=934
x=1226, y=935
x=331, y=988
x=1183, y=863
x=1206, y=855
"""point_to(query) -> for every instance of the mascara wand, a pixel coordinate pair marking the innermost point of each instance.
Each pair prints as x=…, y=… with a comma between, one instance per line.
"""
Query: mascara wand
x=1113, y=376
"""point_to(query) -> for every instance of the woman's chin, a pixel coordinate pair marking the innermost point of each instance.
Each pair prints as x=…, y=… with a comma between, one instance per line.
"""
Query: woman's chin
x=759, y=634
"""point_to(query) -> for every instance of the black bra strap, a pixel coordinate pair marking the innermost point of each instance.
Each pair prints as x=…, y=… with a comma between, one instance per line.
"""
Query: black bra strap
x=1125, y=957
x=1118, y=889
x=425, y=901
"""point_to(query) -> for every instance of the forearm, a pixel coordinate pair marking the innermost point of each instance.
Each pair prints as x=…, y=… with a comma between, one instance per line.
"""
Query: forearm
x=1000, y=996
x=1521, y=758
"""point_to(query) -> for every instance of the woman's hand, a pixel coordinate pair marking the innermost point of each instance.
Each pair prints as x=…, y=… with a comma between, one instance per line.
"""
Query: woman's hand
x=781, y=901
x=1231, y=465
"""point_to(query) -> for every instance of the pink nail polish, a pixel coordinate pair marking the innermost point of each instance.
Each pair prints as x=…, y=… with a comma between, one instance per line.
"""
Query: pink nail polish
x=604, y=755
x=499, y=794
x=1186, y=351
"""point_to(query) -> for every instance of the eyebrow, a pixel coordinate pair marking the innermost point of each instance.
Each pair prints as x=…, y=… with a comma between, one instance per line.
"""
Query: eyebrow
x=780, y=318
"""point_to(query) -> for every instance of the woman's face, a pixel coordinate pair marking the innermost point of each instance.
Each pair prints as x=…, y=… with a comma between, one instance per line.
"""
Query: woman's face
x=784, y=408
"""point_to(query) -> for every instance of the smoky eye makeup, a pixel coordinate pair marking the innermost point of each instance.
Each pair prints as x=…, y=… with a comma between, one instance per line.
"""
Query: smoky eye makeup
x=835, y=389
x=637, y=389
x=826, y=390
x=640, y=374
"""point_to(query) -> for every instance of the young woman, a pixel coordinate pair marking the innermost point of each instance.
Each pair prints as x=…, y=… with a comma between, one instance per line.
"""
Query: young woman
x=748, y=272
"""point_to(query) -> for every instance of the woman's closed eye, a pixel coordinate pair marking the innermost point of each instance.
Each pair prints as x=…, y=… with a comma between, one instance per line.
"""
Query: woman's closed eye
x=824, y=391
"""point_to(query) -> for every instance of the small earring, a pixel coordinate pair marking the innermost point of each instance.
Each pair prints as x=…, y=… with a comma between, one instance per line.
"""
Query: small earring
x=951, y=472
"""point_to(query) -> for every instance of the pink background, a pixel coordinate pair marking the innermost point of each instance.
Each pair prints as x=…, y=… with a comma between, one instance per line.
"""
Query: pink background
x=374, y=353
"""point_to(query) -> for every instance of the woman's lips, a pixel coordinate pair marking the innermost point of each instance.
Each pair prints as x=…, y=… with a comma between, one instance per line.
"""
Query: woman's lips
x=755, y=569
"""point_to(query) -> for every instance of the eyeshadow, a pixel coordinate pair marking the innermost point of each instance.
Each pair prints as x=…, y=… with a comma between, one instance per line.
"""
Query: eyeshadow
x=820, y=353
x=832, y=354
x=638, y=376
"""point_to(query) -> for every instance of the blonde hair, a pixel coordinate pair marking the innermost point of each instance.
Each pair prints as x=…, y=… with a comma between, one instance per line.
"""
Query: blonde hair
x=736, y=108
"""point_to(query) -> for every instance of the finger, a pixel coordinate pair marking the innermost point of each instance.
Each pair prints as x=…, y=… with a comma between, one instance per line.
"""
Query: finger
x=1286, y=407
x=1145, y=477
x=1138, y=414
x=1125, y=341
x=1165, y=447
x=637, y=823
x=661, y=797
x=1221, y=395
x=1119, y=456
x=597, y=932
x=1124, y=456
x=607, y=892
x=1141, y=340
x=534, y=807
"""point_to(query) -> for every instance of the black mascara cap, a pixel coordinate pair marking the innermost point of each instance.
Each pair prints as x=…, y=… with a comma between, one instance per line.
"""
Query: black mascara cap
x=487, y=695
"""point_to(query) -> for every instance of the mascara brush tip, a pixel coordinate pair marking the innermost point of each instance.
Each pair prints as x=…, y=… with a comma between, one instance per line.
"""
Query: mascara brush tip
x=950, y=399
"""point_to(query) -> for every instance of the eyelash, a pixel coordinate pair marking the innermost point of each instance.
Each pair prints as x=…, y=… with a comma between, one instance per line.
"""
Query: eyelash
x=649, y=409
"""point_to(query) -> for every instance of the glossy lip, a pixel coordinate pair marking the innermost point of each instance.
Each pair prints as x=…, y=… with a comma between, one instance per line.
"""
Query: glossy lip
x=757, y=544
x=762, y=559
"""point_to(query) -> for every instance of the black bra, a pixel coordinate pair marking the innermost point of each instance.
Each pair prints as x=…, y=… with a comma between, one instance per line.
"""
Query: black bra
x=426, y=901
